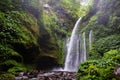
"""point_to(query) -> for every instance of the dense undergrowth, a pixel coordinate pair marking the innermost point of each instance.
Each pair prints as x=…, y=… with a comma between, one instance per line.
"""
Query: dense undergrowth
x=16, y=36
x=103, y=57
x=101, y=69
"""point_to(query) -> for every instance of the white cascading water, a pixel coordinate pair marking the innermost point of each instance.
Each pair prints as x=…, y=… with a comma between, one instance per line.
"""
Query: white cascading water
x=72, y=57
x=90, y=38
x=75, y=49
x=77, y=53
x=84, y=47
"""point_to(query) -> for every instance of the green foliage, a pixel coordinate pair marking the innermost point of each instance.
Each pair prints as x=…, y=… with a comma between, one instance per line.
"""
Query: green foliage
x=92, y=70
x=61, y=44
x=105, y=44
x=104, y=56
x=8, y=5
x=34, y=3
x=88, y=77
x=114, y=24
x=5, y=65
x=9, y=58
x=110, y=53
x=101, y=69
x=54, y=34
x=68, y=4
x=92, y=25
x=7, y=76
x=16, y=36
x=11, y=65
x=49, y=22
x=93, y=54
x=93, y=19
x=17, y=68
x=8, y=53
x=72, y=7
x=12, y=30
x=75, y=8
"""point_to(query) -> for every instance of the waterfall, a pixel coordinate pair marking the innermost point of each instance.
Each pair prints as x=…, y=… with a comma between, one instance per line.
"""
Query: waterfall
x=84, y=47
x=90, y=38
x=72, y=56
x=75, y=49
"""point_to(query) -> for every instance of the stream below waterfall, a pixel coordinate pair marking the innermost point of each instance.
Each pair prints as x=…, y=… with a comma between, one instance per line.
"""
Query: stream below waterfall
x=51, y=75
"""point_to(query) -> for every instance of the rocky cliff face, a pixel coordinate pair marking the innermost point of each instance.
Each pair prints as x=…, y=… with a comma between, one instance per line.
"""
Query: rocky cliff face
x=19, y=34
x=32, y=32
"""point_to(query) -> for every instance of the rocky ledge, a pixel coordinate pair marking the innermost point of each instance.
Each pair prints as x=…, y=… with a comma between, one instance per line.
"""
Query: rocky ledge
x=52, y=75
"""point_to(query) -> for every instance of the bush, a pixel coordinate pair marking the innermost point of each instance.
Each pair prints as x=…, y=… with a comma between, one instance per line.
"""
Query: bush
x=105, y=44
x=7, y=76
x=111, y=54
x=6, y=53
x=101, y=69
x=17, y=68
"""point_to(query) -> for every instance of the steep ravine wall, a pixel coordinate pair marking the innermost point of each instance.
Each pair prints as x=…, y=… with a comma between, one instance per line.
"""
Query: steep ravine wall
x=32, y=36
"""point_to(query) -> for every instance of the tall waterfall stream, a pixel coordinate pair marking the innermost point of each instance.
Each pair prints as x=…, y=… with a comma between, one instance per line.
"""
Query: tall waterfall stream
x=74, y=46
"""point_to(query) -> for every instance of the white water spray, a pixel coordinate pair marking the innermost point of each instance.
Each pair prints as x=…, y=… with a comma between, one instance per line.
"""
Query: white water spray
x=70, y=62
